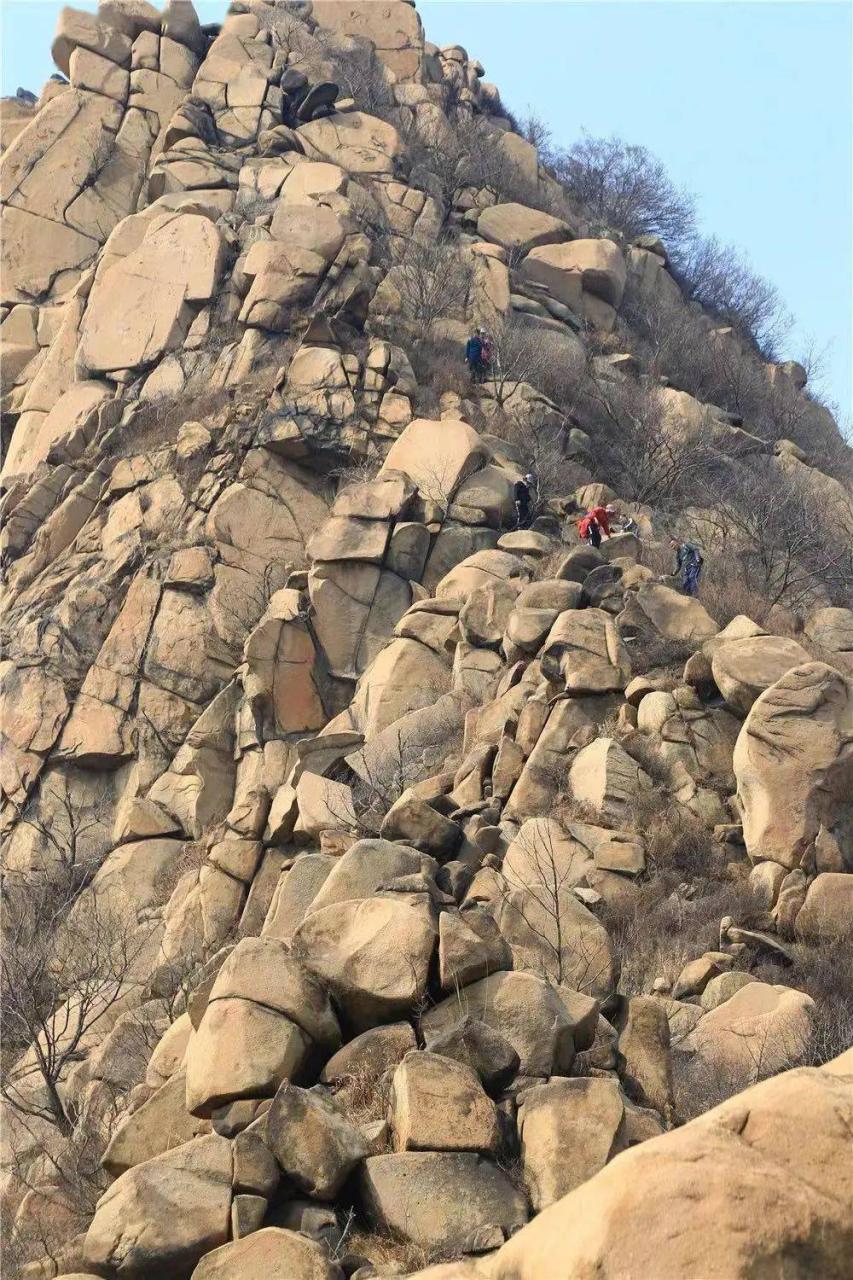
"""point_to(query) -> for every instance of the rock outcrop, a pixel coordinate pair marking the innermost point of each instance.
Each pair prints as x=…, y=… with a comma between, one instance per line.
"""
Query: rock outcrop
x=385, y=871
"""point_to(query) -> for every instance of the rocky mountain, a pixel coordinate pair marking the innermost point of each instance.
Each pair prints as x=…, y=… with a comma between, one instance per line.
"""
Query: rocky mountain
x=393, y=883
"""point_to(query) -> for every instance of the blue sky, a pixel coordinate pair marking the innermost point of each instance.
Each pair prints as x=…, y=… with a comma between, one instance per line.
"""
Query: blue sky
x=748, y=102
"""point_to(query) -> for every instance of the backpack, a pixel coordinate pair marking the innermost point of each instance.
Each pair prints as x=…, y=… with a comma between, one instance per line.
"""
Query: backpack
x=585, y=526
x=522, y=491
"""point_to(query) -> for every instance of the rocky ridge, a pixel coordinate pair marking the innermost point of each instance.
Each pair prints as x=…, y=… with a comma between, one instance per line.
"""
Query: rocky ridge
x=352, y=781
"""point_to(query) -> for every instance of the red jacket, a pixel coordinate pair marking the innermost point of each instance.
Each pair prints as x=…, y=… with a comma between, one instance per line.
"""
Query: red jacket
x=584, y=525
x=602, y=519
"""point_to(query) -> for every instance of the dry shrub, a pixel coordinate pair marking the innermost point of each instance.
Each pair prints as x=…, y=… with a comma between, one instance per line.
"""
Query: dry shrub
x=651, y=651
x=657, y=931
x=439, y=367
x=390, y=1254
x=364, y=1095
x=825, y=972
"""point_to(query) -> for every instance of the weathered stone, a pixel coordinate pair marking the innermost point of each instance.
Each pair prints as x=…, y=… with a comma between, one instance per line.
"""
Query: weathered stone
x=526, y=1010
x=374, y=954
x=312, y=1140
x=584, y=650
x=438, y=1104
x=761, y=1029
x=360, y=144
x=269, y=1254
x=568, y=1129
x=742, y=669
x=793, y=762
x=160, y=1124
x=826, y=916
x=481, y=1047
x=607, y=779
x=175, y=261
x=436, y=456
x=519, y=229
x=675, y=616
x=469, y=948
x=454, y=1200
x=263, y=1016
x=165, y=1214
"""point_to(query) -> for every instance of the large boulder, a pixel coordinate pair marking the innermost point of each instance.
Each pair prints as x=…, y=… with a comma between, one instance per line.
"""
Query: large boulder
x=793, y=762
x=673, y=615
x=141, y=305
x=524, y=1008
x=162, y=1216
x=826, y=916
x=832, y=629
x=602, y=268
x=742, y=669
x=365, y=868
x=555, y=267
x=279, y=660
x=740, y=1192
x=760, y=1030
x=374, y=954
x=584, y=651
x=606, y=779
x=436, y=456
x=313, y=1141
x=549, y=930
x=265, y=1015
x=269, y=1254
x=391, y=26
x=359, y=143
x=456, y=1201
x=568, y=1129
x=438, y=1104
x=519, y=229
x=404, y=677
x=158, y=1125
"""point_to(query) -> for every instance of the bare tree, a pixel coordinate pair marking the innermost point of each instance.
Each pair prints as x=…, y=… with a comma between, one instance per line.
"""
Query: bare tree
x=542, y=915
x=468, y=153
x=67, y=957
x=625, y=188
x=720, y=278
x=432, y=278
x=786, y=548
x=638, y=453
x=520, y=354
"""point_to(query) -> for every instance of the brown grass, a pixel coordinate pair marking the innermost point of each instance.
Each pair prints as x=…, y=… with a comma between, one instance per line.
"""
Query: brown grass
x=390, y=1254
x=656, y=932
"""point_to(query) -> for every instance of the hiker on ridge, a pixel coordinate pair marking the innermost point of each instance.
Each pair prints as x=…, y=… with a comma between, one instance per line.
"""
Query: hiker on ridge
x=688, y=561
x=474, y=356
x=523, y=492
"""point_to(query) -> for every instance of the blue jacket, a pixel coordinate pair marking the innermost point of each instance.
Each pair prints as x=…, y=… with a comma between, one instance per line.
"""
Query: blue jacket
x=473, y=350
x=688, y=557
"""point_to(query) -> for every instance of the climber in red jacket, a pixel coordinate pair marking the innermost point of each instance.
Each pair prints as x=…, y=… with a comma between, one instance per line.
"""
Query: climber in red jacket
x=601, y=516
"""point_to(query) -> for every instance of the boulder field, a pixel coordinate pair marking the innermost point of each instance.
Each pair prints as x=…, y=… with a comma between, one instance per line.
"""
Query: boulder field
x=335, y=803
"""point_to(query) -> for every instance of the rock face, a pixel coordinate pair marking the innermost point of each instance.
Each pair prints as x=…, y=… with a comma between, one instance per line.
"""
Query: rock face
x=793, y=762
x=358, y=892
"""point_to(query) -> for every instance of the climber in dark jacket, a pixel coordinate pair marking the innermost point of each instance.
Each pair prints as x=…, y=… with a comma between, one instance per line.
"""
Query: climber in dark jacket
x=688, y=561
x=474, y=356
x=523, y=493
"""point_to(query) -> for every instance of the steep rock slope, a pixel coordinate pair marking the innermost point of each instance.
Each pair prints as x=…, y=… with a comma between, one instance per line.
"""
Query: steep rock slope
x=330, y=794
